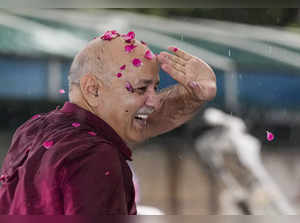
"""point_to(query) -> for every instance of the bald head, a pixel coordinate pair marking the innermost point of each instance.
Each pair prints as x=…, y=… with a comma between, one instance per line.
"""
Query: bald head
x=102, y=59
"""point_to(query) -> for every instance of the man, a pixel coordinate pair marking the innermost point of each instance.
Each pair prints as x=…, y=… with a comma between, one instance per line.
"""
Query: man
x=74, y=160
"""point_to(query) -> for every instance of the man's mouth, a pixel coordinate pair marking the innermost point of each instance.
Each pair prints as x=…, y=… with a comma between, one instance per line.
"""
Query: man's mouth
x=141, y=119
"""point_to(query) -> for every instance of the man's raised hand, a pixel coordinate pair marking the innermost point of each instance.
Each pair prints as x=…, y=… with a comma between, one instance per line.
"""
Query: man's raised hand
x=193, y=73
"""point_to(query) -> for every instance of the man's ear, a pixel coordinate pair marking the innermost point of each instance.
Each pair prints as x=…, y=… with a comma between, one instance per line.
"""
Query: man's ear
x=90, y=87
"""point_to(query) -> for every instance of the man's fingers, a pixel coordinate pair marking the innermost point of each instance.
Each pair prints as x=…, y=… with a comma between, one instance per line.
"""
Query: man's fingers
x=174, y=58
x=175, y=74
x=180, y=53
x=166, y=59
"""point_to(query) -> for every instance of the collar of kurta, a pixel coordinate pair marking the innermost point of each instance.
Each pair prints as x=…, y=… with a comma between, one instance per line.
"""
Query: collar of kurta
x=99, y=125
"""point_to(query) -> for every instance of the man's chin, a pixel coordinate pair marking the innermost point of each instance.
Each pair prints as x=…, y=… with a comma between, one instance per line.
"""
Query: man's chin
x=136, y=139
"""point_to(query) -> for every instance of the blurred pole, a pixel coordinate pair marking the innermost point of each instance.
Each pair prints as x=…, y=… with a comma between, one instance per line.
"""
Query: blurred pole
x=54, y=79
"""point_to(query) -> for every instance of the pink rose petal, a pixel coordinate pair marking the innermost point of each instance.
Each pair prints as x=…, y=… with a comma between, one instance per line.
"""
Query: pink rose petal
x=129, y=48
x=175, y=49
x=107, y=173
x=62, y=91
x=270, y=136
x=48, y=144
x=149, y=55
x=136, y=62
x=109, y=35
x=129, y=87
x=36, y=116
x=2, y=177
x=119, y=75
x=123, y=67
x=75, y=124
x=92, y=133
x=129, y=36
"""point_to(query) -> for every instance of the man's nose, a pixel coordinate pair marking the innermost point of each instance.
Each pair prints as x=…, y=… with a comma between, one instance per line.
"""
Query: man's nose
x=153, y=100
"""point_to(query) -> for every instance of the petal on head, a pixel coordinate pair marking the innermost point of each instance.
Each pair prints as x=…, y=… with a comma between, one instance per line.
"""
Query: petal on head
x=136, y=62
x=149, y=55
x=123, y=67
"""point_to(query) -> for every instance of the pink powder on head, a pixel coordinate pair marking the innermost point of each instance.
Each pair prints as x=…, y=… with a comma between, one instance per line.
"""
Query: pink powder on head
x=136, y=62
x=149, y=55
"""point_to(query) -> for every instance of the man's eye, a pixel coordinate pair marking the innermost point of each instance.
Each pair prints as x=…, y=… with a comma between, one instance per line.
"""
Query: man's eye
x=141, y=90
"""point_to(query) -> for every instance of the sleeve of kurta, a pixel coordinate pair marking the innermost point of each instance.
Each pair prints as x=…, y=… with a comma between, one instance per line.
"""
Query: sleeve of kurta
x=94, y=183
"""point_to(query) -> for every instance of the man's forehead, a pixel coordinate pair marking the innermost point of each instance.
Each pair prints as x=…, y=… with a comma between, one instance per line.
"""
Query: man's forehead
x=147, y=81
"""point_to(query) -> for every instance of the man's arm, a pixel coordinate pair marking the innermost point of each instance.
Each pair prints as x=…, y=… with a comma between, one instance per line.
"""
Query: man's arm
x=179, y=103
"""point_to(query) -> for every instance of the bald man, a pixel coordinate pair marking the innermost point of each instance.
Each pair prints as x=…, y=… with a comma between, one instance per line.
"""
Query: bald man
x=73, y=160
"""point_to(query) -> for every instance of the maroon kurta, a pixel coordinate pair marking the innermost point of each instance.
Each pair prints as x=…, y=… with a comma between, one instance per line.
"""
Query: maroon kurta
x=67, y=161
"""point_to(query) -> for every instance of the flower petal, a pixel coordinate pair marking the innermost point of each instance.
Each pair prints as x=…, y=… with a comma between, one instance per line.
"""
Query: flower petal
x=110, y=34
x=75, y=124
x=36, y=116
x=149, y=55
x=129, y=48
x=119, y=75
x=136, y=62
x=270, y=136
x=175, y=49
x=142, y=42
x=123, y=67
x=107, y=173
x=129, y=36
x=92, y=133
x=48, y=144
x=129, y=87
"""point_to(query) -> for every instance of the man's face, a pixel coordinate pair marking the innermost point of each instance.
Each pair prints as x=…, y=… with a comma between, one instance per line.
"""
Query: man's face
x=131, y=98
